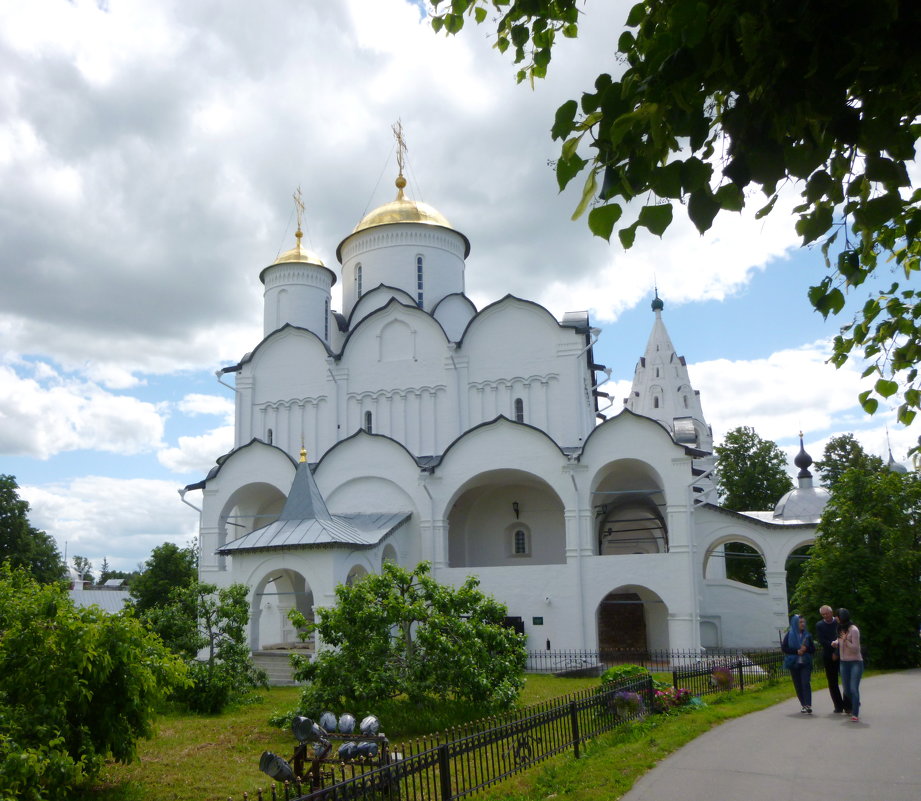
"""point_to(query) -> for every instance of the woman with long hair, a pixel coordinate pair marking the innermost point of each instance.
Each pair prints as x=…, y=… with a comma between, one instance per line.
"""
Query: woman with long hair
x=851, y=660
x=799, y=647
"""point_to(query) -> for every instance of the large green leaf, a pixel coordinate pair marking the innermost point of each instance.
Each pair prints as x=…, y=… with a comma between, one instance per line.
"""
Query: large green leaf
x=656, y=218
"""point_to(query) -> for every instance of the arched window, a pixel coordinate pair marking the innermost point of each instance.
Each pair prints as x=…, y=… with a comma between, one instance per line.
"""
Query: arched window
x=519, y=410
x=368, y=423
x=520, y=541
x=269, y=436
x=419, y=281
x=357, y=281
x=657, y=372
x=326, y=321
x=655, y=403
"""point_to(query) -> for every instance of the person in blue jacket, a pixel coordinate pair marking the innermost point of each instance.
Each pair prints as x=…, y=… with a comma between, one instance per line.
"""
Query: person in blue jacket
x=798, y=647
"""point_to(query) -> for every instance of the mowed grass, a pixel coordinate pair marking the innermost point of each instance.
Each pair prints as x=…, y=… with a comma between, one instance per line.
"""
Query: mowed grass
x=213, y=758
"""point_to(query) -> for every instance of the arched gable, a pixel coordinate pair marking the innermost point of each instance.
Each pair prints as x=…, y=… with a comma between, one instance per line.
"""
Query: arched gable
x=524, y=448
x=454, y=313
x=290, y=363
x=512, y=331
x=395, y=348
x=377, y=298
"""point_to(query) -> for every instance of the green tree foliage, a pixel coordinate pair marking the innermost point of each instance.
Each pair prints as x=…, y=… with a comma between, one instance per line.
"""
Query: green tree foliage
x=719, y=99
x=867, y=558
x=77, y=687
x=842, y=453
x=751, y=473
x=403, y=633
x=168, y=568
x=21, y=545
x=745, y=564
x=84, y=567
x=206, y=626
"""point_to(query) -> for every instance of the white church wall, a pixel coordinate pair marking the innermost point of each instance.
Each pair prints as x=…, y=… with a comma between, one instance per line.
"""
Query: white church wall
x=387, y=255
x=742, y=613
x=548, y=593
x=454, y=313
x=517, y=344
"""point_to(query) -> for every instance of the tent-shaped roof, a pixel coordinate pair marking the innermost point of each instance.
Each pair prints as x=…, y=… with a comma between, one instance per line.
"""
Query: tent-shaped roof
x=305, y=522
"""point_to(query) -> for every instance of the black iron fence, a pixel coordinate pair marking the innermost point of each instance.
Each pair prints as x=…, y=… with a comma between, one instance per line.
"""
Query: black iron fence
x=715, y=674
x=468, y=758
x=588, y=663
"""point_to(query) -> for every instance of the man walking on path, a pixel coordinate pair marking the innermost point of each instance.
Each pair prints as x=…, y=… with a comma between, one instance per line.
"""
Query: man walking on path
x=826, y=631
x=751, y=757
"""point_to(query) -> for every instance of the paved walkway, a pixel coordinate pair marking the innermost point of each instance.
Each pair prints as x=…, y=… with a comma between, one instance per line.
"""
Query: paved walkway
x=779, y=754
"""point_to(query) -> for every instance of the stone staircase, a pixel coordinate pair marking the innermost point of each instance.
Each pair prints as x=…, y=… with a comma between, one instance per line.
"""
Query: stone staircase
x=277, y=664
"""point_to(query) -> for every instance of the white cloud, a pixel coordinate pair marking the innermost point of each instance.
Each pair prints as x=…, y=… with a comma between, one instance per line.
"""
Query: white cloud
x=197, y=454
x=121, y=520
x=196, y=404
x=50, y=413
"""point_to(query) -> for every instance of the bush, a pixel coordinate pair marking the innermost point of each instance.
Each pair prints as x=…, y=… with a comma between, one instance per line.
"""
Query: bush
x=207, y=627
x=77, y=686
x=403, y=633
x=624, y=673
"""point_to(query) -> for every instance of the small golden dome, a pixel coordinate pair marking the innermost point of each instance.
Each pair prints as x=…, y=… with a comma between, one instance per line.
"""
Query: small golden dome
x=299, y=254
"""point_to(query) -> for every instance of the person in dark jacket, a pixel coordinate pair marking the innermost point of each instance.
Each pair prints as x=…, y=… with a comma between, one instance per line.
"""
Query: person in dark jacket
x=826, y=632
x=799, y=647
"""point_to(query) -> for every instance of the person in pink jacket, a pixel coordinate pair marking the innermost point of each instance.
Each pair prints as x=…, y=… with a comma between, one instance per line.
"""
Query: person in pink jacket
x=851, y=660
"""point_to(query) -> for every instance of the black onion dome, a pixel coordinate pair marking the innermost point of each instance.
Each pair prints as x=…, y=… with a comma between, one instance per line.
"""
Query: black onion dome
x=803, y=460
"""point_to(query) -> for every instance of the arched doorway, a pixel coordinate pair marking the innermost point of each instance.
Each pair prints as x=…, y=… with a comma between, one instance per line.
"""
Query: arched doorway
x=275, y=595
x=632, y=618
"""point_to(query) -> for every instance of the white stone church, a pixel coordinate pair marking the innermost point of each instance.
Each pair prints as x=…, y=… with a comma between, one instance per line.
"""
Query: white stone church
x=413, y=426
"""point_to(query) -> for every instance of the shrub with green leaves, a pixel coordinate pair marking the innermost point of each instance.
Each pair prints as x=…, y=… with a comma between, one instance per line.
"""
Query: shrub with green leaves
x=77, y=687
x=624, y=673
x=207, y=627
x=401, y=633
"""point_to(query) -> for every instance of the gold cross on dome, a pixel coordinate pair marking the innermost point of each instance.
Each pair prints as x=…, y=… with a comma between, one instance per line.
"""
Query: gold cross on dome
x=299, y=207
x=397, y=129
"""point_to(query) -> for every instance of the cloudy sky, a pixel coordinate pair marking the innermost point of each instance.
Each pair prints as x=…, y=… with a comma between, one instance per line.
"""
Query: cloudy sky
x=148, y=154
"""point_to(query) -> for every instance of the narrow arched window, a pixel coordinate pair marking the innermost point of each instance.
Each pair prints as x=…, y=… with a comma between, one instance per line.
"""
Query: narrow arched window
x=326, y=321
x=521, y=542
x=369, y=423
x=519, y=410
x=269, y=436
x=419, y=281
x=655, y=403
x=357, y=281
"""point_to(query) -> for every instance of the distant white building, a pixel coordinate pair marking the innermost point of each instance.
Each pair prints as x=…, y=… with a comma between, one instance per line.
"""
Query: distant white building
x=471, y=438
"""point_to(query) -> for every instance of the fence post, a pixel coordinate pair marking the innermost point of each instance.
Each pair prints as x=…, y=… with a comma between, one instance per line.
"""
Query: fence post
x=741, y=678
x=675, y=679
x=574, y=721
x=444, y=770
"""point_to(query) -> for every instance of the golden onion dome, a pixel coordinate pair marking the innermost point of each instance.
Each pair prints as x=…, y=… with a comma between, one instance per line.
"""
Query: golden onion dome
x=403, y=210
x=298, y=255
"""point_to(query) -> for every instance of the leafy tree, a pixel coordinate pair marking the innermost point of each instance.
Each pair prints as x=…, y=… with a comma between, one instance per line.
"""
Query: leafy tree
x=22, y=545
x=717, y=99
x=77, y=687
x=84, y=567
x=745, y=564
x=751, y=473
x=401, y=632
x=842, y=453
x=207, y=627
x=168, y=568
x=867, y=558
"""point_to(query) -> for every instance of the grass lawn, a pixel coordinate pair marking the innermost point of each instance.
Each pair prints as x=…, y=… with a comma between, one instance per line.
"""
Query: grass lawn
x=212, y=758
